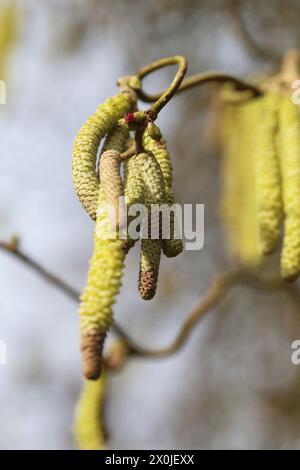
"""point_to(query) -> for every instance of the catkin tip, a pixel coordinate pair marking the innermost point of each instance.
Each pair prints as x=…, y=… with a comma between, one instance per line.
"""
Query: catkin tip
x=147, y=284
x=91, y=348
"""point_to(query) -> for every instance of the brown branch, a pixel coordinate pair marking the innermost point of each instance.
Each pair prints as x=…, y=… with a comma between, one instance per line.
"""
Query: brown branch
x=220, y=286
x=163, y=98
x=15, y=251
x=12, y=248
x=201, y=79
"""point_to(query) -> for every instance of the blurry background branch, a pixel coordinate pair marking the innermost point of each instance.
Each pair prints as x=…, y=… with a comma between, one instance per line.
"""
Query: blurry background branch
x=219, y=288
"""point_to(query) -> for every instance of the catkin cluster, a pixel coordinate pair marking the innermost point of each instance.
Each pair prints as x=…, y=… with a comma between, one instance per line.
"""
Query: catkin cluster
x=103, y=180
x=261, y=177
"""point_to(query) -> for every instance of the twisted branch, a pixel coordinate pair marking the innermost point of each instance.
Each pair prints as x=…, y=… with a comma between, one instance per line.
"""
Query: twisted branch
x=220, y=287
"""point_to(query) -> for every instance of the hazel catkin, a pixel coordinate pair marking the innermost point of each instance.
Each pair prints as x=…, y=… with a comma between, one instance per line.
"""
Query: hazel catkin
x=151, y=242
x=171, y=246
x=85, y=148
x=267, y=175
x=106, y=265
x=239, y=208
x=88, y=425
x=134, y=193
x=289, y=152
x=112, y=183
x=103, y=284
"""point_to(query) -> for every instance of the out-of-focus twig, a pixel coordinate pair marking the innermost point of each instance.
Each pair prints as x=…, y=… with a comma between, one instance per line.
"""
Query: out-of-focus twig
x=248, y=39
x=13, y=248
x=202, y=78
x=219, y=288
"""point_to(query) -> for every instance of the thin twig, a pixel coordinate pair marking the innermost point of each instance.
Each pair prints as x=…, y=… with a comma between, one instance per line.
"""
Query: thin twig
x=200, y=79
x=39, y=269
x=53, y=279
x=164, y=97
x=220, y=286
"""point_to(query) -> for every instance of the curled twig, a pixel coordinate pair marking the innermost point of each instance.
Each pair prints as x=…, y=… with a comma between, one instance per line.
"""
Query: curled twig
x=216, y=293
x=162, y=99
x=200, y=79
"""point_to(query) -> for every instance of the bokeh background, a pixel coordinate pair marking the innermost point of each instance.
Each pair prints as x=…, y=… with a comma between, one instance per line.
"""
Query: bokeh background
x=233, y=385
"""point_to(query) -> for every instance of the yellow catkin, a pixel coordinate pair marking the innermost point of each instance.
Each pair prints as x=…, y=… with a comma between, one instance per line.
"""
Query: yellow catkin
x=134, y=191
x=173, y=246
x=289, y=152
x=103, y=284
x=249, y=117
x=116, y=139
x=112, y=183
x=239, y=207
x=88, y=425
x=267, y=175
x=151, y=247
x=106, y=265
x=86, y=146
x=8, y=27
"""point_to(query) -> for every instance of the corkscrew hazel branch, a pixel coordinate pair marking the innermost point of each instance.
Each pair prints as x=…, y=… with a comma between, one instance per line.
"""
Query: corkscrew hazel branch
x=219, y=287
x=197, y=80
x=164, y=97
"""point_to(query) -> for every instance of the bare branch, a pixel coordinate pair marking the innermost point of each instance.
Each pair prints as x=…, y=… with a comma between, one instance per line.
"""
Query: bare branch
x=220, y=287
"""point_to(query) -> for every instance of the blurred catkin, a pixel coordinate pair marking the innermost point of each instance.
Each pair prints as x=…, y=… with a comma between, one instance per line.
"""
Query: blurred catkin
x=8, y=30
x=267, y=175
x=88, y=426
x=238, y=199
x=289, y=151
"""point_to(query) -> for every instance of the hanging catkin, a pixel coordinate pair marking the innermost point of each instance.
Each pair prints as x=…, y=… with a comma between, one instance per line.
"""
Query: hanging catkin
x=112, y=183
x=86, y=145
x=103, y=284
x=249, y=116
x=173, y=246
x=106, y=268
x=88, y=426
x=267, y=175
x=289, y=152
x=151, y=247
x=8, y=30
x=230, y=181
x=238, y=195
x=134, y=192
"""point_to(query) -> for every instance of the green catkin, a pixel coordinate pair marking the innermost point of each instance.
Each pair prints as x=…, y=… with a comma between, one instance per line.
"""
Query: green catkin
x=116, y=139
x=249, y=117
x=85, y=148
x=134, y=191
x=103, y=284
x=112, y=183
x=88, y=426
x=171, y=247
x=151, y=247
x=239, y=207
x=289, y=152
x=267, y=175
x=106, y=267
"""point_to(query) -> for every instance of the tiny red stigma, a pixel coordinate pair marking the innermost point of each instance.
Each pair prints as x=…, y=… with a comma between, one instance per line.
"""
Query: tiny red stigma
x=129, y=117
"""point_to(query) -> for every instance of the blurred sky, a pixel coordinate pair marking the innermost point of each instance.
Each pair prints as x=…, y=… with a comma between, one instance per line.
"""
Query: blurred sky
x=233, y=385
